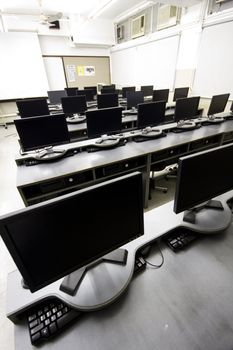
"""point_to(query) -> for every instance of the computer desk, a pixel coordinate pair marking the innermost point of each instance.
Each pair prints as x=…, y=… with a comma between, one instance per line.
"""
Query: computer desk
x=44, y=181
x=186, y=304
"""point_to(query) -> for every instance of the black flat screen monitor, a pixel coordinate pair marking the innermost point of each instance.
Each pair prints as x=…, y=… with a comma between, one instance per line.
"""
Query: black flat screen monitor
x=93, y=88
x=74, y=104
x=134, y=98
x=151, y=114
x=71, y=91
x=40, y=132
x=32, y=107
x=107, y=100
x=203, y=176
x=104, y=121
x=147, y=90
x=160, y=95
x=218, y=104
x=108, y=91
x=89, y=93
x=127, y=89
x=186, y=108
x=180, y=93
x=52, y=239
x=55, y=96
x=111, y=86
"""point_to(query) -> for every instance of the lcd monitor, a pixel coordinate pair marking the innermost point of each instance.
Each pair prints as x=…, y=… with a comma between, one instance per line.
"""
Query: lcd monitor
x=160, y=95
x=107, y=100
x=108, y=91
x=32, y=107
x=147, y=90
x=39, y=132
x=127, y=89
x=180, y=93
x=106, y=87
x=134, y=98
x=55, y=96
x=94, y=88
x=104, y=121
x=203, y=176
x=88, y=93
x=71, y=91
x=74, y=105
x=151, y=114
x=218, y=104
x=186, y=108
x=52, y=239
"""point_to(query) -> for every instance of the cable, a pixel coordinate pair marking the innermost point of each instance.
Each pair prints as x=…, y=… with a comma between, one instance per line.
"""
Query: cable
x=153, y=265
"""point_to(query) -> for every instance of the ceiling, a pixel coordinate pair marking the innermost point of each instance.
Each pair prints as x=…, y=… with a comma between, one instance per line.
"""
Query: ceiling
x=110, y=9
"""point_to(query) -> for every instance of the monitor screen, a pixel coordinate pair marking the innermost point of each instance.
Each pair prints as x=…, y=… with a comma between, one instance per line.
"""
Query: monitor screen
x=94, y=88
x=108, y=91
x=218, y=104
x=55, y=96
x=180, y=93
x=134, y=98
x=52, y=239
x=151, y=114
x=40, y=132
x=74, y=104
x=203, y=176
x=32, y=107
x=160, y=95
x=112, y=86
x=104, y=121
x=71, y=91
x=127, y=89
x=89, y=93
x=147, y=90
x=107, y=100
x=186, y=108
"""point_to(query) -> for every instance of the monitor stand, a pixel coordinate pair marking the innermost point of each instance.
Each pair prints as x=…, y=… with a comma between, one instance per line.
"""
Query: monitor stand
x=186, y=125
x=76, y=118
x=190, y=215
x=213, y=119
x=71, y=282
x=151, y=132
x=49, y=154
x=107, y=141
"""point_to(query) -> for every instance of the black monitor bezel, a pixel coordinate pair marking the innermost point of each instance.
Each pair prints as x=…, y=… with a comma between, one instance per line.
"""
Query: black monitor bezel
x=43, y=102
x=126, y=89
x=134, y=95
x=71, y=89
x=102, y=98
x=81, y=100
x=147, y=90
x=94, y=88
x=7, y=219
x=180, y=101
x=56, y=93
x=158, y=107
x=182, y=92
x=88, y=93
x=53, y=118
x=212, y=110
x=164, y=92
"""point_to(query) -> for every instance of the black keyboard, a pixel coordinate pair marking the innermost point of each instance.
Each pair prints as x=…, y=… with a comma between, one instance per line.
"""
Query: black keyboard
x=179, y=239
x=48, y=319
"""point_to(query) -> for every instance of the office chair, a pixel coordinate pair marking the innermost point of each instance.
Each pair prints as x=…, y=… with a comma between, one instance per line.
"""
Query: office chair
x=155, y=168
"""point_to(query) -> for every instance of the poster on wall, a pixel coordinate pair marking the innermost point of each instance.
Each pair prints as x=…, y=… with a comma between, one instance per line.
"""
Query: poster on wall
x=87, y=71
x=71, y=73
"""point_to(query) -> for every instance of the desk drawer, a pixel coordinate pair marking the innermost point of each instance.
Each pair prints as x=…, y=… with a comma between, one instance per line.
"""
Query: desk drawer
x=121, y=167
x=228, y=137
x=205, y=143
x=169, y=153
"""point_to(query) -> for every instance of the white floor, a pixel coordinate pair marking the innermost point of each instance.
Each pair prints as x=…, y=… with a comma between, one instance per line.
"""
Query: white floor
x=10, y=200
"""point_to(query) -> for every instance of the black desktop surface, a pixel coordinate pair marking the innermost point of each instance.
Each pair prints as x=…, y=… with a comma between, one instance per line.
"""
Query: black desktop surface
x=186, y=108
x=104, y=121
x=151, y=114
x=218, y=104
x=56, y=95
x=51, y=239
x=32, y=107
x=180, y=93
x=74, y=104
x=39, y=132
x=107, y=100
x=160, y=95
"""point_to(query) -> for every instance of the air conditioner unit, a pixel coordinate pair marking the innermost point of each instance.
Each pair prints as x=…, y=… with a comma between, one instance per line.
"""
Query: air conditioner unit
x=138, y=26
x=120, y=32
x=167, y=16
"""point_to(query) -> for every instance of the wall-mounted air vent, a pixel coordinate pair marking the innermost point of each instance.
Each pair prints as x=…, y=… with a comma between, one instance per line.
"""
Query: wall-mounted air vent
x=138, y=26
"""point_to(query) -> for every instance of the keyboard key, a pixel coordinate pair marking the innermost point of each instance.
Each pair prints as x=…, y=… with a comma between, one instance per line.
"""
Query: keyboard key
x=37, y=328
x=53, y=327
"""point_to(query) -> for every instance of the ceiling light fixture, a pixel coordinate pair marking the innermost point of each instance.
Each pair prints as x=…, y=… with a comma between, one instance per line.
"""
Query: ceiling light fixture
x=100, y=9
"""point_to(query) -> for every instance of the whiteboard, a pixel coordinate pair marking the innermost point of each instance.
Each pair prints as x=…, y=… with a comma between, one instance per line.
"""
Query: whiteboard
x=153, y=63
x=22, y=72
x=214, y=73
x=55, y=73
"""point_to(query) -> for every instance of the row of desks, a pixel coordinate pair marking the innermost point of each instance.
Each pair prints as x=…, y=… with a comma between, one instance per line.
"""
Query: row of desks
x=48, y=180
